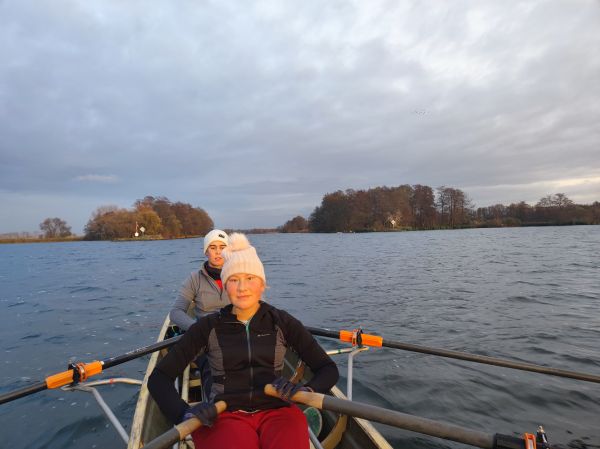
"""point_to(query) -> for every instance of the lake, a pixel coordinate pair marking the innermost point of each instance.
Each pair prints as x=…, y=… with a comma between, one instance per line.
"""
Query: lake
x=526, y=294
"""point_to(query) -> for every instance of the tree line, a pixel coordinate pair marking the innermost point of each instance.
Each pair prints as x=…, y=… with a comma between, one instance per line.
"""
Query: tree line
x=551, y=210
x=149, y=217
x=419, y=207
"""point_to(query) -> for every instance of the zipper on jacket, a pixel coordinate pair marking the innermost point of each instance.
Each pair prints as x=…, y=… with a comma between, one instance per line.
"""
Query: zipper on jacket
x=251, y=382
x=250, y=360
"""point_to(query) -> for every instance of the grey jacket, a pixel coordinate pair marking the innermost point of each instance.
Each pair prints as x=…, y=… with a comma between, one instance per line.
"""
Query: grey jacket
x=200, y=292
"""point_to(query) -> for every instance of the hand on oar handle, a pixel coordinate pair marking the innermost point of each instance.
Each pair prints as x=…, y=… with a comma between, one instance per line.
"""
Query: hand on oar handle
x=286, y=389
x=204, y=411
x=194, y=422
x=181, y=430
x=301, y=396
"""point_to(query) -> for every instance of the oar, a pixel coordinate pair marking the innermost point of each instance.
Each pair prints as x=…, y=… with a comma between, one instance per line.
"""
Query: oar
x=79, y=372
x=180, y=431
x=405, y=421
x=374, y=340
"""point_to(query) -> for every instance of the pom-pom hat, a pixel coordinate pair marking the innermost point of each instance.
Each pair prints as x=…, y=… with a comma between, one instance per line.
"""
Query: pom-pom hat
x=216, y=235
x=241, y=257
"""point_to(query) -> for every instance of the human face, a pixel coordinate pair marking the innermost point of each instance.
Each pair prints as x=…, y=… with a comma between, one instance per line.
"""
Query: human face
x=213, y=252
x=244, y=291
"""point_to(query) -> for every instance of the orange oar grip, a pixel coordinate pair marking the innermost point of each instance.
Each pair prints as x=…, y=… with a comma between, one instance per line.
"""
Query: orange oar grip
x=367, y=339
x=93, y=368
x=67, y=377
x=60, y=379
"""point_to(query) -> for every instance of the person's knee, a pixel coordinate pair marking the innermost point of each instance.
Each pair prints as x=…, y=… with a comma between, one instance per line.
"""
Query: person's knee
x=285, y=427
x=229, y=431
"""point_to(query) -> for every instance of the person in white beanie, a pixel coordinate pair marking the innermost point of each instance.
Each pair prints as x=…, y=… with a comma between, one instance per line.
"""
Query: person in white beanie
x=246, y=343
x=202, y=292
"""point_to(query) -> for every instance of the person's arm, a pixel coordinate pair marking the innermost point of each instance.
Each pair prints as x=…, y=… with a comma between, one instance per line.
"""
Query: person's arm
x=187, y=295
x=325, y=371
x=161, y=381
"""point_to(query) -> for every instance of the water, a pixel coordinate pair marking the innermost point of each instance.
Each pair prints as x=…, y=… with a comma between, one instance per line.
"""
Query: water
x=529, y=294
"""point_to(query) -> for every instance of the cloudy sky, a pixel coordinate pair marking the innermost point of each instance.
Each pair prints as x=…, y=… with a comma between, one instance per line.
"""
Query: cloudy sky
x=254, y=110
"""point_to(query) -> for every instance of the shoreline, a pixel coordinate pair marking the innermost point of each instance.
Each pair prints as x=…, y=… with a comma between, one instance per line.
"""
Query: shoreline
x=41, y=240
x=159, y=238
x=82, y=239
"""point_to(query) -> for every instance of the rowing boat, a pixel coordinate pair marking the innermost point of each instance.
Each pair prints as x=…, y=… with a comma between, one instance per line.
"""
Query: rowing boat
x=339, y=432
x=332, y=431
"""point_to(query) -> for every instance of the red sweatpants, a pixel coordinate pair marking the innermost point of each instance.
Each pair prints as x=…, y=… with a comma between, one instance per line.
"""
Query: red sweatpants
x=280, y=428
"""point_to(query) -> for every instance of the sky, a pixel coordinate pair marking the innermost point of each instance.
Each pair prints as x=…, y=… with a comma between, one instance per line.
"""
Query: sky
x=255, y=110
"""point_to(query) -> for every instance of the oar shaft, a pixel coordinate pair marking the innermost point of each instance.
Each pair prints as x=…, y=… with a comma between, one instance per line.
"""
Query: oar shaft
x=26, y=391
x=393, y=418
x=493, y=361
x=170, y=437
x=472, y=357
x=66, y=377
x=410, y=422
x=113, y=361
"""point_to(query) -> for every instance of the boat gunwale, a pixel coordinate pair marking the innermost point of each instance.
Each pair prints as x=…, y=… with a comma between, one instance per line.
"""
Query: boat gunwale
x=141, y=407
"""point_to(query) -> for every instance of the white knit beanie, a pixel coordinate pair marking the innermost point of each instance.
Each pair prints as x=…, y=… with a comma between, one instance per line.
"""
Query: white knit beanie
x=241, y=257
x=216, y=235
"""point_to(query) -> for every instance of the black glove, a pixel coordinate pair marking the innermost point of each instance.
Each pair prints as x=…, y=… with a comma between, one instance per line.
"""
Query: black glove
x=204, y=411
x=287, y=389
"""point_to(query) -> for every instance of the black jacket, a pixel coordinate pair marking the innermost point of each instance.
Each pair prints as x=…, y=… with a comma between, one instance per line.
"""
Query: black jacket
x=242, y=359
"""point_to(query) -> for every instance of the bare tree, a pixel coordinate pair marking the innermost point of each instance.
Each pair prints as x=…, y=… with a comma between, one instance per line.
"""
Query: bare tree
x=545, y=201
x=423, y=205
x=454, y=207
x=561, y=200
x=55, y=227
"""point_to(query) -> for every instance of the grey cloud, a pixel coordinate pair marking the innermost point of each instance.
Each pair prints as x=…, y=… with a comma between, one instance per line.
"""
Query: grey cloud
x=267, y=106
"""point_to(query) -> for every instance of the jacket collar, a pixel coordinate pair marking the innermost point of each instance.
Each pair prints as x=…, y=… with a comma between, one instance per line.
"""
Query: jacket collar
x=227, y=315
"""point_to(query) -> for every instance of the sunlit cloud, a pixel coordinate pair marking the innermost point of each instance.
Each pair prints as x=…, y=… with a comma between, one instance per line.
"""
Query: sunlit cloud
x=564, y=182
x=573, y=182
x=585, y=189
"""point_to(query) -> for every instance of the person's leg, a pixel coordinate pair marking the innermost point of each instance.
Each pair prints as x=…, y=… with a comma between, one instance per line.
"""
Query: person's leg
x=283, y=427
x=230, y=431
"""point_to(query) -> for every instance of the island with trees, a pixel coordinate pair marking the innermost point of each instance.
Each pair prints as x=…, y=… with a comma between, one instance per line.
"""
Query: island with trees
x=149, y=219
x=419, y=207
x=156, y=218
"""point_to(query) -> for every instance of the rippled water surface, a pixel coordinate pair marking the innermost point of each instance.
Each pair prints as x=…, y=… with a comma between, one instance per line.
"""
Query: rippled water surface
x=530, y=294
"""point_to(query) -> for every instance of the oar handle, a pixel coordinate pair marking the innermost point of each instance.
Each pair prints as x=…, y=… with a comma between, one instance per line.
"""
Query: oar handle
x=180, y=431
